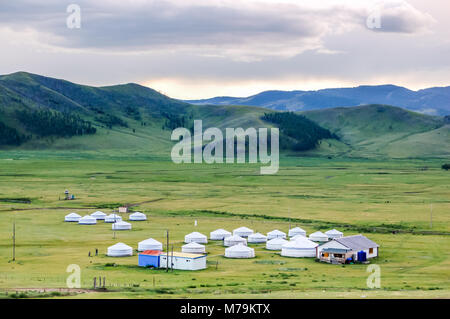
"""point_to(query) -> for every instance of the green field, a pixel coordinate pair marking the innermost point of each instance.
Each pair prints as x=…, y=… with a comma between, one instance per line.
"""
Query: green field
x=372, y=197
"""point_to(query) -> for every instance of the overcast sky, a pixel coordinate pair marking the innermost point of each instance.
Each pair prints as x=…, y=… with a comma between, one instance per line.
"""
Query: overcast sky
x=204, y=48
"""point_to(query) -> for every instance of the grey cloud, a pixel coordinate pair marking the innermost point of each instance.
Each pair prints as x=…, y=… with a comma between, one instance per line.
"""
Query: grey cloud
x=240, y=30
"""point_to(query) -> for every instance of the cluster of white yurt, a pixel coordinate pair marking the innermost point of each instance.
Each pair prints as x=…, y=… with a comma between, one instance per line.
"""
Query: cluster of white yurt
x=275, y=244
x=120, y=250
x=296, y=231
x=121, y=226
x=193, y=248
x=334, y=233
x=137, y=216
x=234, y=240
x=72, y=217
x=87, y=220
x=219, y=234
x=243, y=231
x=299, y=247
x=318, y=236
x=113, y=218
x=275, y=234
x=98, y=215
x=257, y=238
x=150, y=244
x=239, y=251
x=195, y=237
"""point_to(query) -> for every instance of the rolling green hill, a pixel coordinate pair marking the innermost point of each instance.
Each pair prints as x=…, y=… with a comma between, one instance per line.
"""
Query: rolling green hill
x=133, y=119
x=381, y=130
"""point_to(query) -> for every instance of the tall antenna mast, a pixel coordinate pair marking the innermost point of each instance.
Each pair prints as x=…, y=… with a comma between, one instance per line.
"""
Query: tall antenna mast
x=167, y=263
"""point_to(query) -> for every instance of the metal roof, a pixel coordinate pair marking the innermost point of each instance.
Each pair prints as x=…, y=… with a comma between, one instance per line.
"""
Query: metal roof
x=356, y=242
x=183, y=255
x=151, y=252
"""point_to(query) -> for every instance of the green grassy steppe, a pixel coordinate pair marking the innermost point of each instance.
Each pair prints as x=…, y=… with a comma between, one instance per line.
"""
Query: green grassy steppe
x=372, y=197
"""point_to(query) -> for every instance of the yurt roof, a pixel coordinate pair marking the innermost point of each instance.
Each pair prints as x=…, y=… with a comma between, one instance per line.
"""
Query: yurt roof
x=150, y=241
x=193, y=245
x=119, y=246
x=333, y=232
x=300, y=243
x=276, y=232
x=234, y=238
x=98, y=213
x=277, y=240
x=239, y=247
x=245, y=229
x=317, y=233
x=257, y=235
x=135, y=214
x=298, y=237
x=87, y=217
x=298, y=229
x=220, y=231
x=113, y=216
x=195, y=234
x=73, y=215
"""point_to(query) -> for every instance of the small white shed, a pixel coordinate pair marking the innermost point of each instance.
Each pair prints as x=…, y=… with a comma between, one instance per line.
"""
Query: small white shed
x=183, y=261
x=195, y=237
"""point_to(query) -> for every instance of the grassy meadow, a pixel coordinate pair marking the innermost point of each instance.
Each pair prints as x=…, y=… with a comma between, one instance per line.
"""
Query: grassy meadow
x=388, y=201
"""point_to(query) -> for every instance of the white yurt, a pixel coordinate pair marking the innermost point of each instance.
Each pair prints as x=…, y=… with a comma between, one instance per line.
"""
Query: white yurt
x=99, y=215
x=120, y=250
x=195, y=237
x=234, y=240
x=275, y=234
x=121, y=226
x=137, y=216
x=334, y=233
x=219, y=234
x=300, y=247
x=193, y=248
x=276, y=243
x=257, y=238
x=297, y=231
x=150, y=244
x=72, y=217
x=87, y=220
x=318, y=236
x=298, y=237
x=243, y=231
x=239, y=251
x=112, y=218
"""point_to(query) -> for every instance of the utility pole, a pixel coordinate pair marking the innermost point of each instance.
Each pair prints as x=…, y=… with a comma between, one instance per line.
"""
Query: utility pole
x=14, y=240
x=171, y=264
x=167, y=263
x=431, y=216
